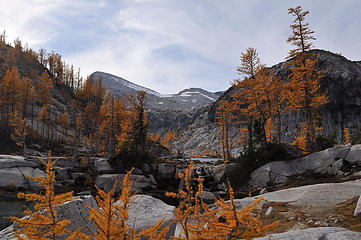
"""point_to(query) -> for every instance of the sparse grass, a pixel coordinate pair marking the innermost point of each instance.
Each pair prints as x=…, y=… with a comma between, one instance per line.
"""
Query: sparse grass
x=346, y=210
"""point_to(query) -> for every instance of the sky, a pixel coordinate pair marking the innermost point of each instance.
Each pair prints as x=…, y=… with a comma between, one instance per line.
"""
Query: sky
x=170, y=45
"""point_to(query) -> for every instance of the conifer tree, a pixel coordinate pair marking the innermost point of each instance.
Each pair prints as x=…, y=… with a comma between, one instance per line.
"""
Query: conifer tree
x=134, y=133
x=346, y=134
x=24, y=95
x=64, y=123
x=21, y=130
x=43, y=223
x=42, y=118
x=304, y=87
x=250, y=64
x=223, y=115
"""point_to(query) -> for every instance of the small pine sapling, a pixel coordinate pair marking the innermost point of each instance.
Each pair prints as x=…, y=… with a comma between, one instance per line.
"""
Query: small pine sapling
x=111, y=217
x=43, y=223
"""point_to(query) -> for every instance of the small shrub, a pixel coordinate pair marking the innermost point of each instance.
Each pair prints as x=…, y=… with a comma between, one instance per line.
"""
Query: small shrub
x=250, y=160
x=322, y=143
x=126, y=160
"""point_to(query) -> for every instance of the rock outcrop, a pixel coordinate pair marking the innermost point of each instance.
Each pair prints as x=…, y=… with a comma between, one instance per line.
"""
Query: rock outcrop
x=322, y=233
x=342, y=81
x=14, y=172
x=76, y=211
x=326, y=162
x=147, y=211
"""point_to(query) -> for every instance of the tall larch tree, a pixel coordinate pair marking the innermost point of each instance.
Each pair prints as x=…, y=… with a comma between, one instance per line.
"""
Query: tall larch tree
x=20, y=130
x=64, y=124
x=8, y=100
x=250, y=64
x=134, y=130
x=45, y=85
x=304, y=88
x=223, y=116
x=24, y=95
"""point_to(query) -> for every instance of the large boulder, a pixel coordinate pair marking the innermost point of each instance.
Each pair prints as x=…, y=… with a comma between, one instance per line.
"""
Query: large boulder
x=106, y=182
x=147, y=211
x=354, y=155
x=17, y=177
x=324, y=233
x=63, y=162
x=323, y=162
x=76, y=211
x=218, y=172
x=101, y=165
x=325, y=194
x=9, y=161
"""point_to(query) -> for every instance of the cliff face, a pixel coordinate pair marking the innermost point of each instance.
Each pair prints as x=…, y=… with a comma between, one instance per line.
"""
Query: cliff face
x=341, y=80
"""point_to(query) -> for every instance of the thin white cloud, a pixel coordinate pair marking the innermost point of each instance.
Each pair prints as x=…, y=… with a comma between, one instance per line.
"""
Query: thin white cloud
x=171, y=45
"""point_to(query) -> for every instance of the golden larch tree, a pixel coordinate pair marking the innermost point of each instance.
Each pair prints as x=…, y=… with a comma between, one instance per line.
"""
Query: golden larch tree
x=20, y=130
x=223, y=116
x=43, y=223
x=304, y=87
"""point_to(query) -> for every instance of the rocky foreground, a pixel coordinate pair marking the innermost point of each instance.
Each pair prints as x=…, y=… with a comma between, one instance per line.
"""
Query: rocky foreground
x=329, y=210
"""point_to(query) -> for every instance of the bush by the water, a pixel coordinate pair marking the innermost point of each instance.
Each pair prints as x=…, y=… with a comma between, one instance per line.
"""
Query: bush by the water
x=126, y=160
x=251, y=159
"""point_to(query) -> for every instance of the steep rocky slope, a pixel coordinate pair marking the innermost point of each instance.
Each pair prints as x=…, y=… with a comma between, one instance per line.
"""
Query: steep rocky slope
x=62, y=94
x=341, y=80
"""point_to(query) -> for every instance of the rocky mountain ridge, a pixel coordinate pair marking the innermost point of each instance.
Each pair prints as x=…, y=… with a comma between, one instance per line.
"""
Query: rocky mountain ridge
x=185, y=100
x=341, y=80
x=165, y=111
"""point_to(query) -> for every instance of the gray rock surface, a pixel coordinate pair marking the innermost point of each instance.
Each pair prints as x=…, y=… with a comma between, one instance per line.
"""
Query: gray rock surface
x=313, y=195
x=106, y=182
x=9, y=161
x=147, y=211
x=354, y=156
x=218, y=172
x=76, y=211
x=78, y=214
x=18, y=177
x=321, y=233
x=101, y=165
x=323, y=162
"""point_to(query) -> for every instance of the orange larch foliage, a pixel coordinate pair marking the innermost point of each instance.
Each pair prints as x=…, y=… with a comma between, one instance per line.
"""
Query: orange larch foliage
x=9, y=87
x=45, y=84
x=346, y=134
x=43, y=223
x=111, y=217
x=24, y=95
x=64, y=123
x=304, y=88
x=301, y=33
x=135, y=125
x=223, y=116
x=42, y=117
x=21, y=130
x=260, y=98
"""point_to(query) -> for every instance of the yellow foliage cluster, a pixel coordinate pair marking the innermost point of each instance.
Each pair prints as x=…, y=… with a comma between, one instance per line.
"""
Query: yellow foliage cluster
x=169, y=136
x=347, y=137
x=197, y=219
